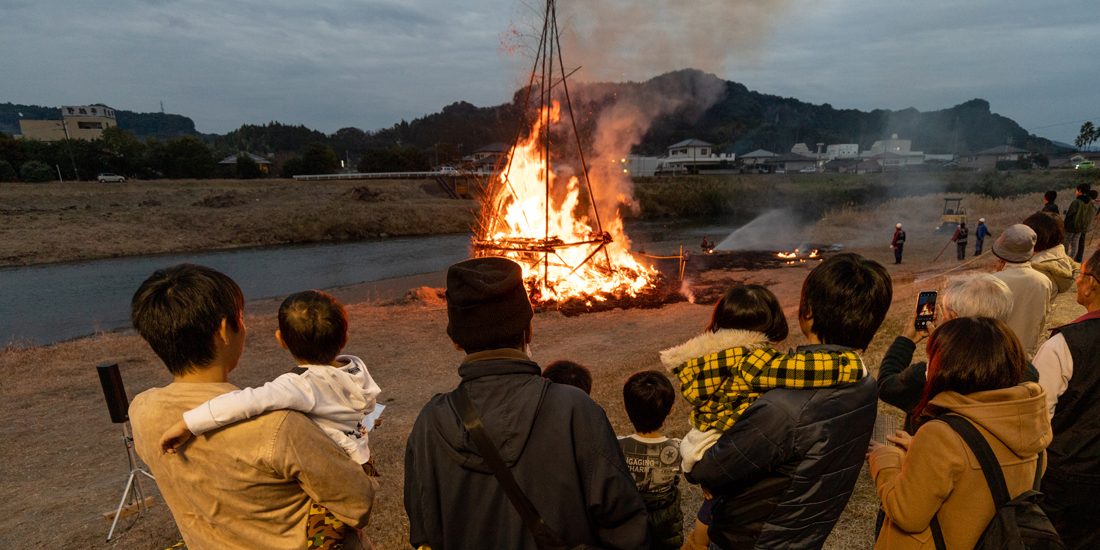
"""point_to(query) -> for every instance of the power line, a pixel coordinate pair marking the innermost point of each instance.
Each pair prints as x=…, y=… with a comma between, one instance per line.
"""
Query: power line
x=1061, y=124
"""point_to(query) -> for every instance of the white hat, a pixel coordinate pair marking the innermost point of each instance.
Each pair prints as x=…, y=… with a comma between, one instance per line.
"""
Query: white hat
x=982, y=220
x=898, y=226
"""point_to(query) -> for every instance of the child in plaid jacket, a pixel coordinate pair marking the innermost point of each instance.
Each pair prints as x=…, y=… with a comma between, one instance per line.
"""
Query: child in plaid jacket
x=724, y=370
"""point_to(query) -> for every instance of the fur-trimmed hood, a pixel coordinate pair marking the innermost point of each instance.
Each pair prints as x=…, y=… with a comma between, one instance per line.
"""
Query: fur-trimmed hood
x=1055, y=264
x=712, y=342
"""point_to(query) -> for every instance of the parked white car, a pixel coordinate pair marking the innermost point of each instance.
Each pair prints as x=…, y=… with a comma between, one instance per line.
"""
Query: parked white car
x=113, y=178
x=808, y=170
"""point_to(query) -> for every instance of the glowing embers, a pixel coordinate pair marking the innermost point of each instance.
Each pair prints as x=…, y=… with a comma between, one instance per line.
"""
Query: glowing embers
x=799, y=256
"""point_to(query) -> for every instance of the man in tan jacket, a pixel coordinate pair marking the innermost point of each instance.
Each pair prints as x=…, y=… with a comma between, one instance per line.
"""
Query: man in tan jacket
x=249, y=484
x=1032, y=292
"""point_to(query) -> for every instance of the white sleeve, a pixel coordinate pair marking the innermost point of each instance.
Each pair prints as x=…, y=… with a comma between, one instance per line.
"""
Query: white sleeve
x=694, y=444
x=1055, y=366
x=289, y=391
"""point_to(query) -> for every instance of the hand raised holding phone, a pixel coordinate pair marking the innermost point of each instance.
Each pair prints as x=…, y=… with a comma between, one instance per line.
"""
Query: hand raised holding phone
x=920, y=322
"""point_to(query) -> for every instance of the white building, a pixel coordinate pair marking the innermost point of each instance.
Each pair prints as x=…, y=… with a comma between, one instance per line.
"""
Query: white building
x=842, y=151
x=802, y=149
x=894, y=146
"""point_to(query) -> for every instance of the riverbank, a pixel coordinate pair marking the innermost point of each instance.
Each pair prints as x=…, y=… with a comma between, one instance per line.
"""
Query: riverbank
x=64, y=463
x=56, y=222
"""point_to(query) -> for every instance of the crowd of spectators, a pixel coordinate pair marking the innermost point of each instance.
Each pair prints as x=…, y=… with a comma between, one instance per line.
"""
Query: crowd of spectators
x=519, y=457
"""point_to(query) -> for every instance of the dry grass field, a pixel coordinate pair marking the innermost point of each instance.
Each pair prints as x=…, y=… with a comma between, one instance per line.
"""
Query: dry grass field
x=53, y=222
x=63, y=464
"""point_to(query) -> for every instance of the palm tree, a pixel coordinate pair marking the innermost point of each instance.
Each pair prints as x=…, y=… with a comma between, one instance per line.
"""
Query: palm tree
x=1088, y=135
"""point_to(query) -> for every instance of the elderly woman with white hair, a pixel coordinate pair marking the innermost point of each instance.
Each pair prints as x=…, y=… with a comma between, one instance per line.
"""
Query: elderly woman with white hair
x=901, y=384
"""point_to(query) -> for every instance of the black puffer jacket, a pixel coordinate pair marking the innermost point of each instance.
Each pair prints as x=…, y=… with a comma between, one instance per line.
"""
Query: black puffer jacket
x=785, y=471
x=556, y=441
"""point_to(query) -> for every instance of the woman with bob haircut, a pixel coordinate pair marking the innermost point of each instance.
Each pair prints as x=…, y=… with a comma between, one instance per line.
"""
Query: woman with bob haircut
x=975, y=366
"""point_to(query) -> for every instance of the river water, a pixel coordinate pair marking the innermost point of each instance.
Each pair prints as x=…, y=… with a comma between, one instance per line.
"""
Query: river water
x=53, y=302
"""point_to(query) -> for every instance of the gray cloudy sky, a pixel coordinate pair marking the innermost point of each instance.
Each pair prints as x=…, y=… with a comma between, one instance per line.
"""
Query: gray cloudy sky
x=328, y=64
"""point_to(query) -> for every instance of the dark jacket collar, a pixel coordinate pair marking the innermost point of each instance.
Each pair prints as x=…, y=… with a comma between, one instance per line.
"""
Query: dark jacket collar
x=496, y=362
x=1085, y=317
x=823, y=347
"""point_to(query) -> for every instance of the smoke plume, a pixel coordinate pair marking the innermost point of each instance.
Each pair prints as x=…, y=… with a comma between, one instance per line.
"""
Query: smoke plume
x=773, y=230
x=638, y=39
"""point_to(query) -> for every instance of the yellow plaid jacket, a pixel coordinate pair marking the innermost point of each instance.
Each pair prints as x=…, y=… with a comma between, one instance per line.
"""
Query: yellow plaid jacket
x=721, y=385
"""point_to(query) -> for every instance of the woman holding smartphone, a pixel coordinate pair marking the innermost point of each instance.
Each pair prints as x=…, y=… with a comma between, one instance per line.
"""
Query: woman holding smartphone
x=975, y=370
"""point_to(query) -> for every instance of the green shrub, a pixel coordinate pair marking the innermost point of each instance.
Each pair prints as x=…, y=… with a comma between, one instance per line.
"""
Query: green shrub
x=248, y=169
x=293, y=166
x=7, y=173
x=35, y=172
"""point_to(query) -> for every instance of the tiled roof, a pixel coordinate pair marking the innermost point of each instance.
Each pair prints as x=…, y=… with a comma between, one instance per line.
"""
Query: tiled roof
x=759, y=153
x=690, y=143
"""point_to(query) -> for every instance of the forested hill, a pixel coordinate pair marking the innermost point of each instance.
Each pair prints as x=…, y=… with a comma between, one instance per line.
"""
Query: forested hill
x=727, y=114
x=734, y=118
x=744, y=120
x=143, y=125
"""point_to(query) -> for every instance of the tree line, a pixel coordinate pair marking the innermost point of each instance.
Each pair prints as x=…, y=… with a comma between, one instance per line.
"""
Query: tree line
x=119, y=152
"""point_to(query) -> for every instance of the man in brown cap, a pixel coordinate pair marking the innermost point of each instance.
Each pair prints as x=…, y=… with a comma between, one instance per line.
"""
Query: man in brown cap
x=1032, y=292
x=556, y=442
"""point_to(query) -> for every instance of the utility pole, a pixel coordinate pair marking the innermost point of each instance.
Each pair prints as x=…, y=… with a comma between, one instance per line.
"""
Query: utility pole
x=69, y=145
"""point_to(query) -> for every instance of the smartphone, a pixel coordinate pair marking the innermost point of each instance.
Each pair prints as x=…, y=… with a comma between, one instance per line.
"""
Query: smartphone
x=926, y=308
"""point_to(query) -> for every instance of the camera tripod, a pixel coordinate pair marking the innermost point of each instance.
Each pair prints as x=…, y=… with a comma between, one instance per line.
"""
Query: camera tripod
x=138, y=502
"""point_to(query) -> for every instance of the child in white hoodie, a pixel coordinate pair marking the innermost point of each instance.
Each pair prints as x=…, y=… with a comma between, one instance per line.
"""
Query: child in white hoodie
x=335, y=391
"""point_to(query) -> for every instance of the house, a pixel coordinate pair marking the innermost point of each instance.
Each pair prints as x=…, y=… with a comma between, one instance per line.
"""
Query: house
x=492, y=150
x=792, y=162
x=987, y=159
x=690, y=149
x=265, y=165
x=692, y=154
x=85, y=122
x=892, y=162
x=758, y=156
x=868, y=166
x=841, y=165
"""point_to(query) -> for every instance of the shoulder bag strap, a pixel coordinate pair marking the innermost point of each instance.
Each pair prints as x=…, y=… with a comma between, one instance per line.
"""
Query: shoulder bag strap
x=991, y=467
x=1039, y=469
x=937, y=534
x=545, y=538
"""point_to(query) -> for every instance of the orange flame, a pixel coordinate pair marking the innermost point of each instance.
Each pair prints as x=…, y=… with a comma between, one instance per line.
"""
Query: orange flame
x=787, y=254
x=568, y=260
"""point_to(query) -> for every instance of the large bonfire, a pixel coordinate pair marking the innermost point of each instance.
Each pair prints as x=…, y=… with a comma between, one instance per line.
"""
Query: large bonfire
x=565, y=253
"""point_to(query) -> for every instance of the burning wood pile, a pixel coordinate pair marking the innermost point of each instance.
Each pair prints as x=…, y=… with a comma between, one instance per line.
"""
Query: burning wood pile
x=534, y=212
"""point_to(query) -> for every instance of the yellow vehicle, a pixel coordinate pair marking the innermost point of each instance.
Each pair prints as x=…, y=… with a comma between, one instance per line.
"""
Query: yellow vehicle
x=954, y=213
